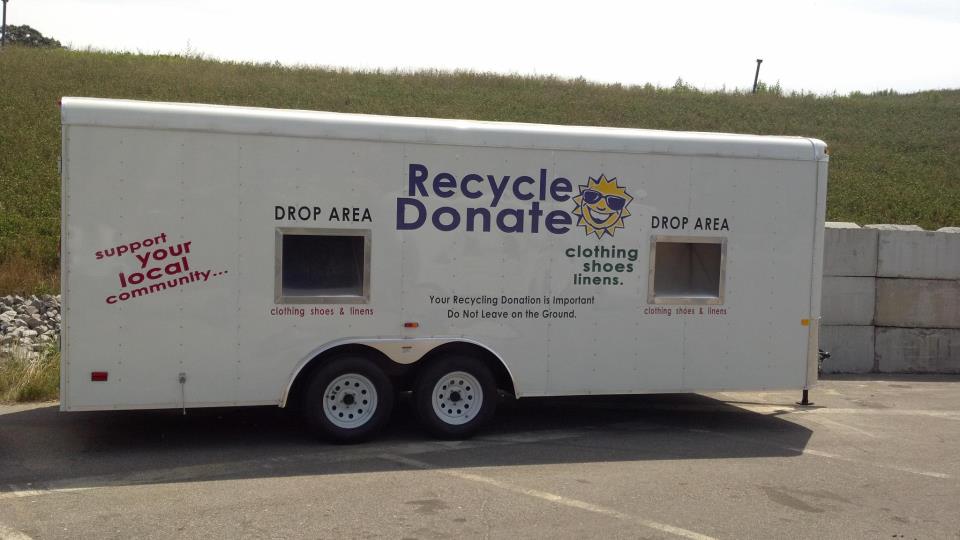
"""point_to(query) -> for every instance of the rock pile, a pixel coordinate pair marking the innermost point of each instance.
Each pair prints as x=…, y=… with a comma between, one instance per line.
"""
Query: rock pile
x=30, y=323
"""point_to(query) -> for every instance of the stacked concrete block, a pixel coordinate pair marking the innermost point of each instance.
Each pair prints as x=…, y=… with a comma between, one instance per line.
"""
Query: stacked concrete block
x=918, y=301
x=891, y=299
x=849, y=294
x=849, y=250
x=893, y=227
x=921, y=255
x=918, y=350
x=848, y=300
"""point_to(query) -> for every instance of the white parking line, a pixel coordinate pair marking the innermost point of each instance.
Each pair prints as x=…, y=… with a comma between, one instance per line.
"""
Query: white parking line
x=551, y=497
x=828, y=455
x=6, y=533
x=331, y=456
x=791, y=409
x=14, y=491
x=820, y=419
x=873, y=463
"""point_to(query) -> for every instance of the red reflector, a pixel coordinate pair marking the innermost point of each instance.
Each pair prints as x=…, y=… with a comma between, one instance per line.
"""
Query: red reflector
x=98, y=376
x=411, y=325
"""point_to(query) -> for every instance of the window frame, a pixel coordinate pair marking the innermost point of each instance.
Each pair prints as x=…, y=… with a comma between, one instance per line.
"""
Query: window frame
x=653, y=298
x=280, y=298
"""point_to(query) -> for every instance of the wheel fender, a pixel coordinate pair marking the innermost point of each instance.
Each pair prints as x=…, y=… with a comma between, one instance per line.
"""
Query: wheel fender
x=399, y=350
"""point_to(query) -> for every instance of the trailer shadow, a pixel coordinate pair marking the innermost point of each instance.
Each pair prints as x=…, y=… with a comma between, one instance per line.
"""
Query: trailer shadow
x=42, y=448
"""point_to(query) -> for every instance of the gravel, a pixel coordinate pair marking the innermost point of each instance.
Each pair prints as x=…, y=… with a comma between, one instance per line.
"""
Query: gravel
x=30, y=323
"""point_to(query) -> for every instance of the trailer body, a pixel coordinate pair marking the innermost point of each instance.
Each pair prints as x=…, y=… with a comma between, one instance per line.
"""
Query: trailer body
x=211, y=254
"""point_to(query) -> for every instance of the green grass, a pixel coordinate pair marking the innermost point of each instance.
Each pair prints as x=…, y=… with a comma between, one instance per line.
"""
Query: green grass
x=23, y=378
x=894, y=158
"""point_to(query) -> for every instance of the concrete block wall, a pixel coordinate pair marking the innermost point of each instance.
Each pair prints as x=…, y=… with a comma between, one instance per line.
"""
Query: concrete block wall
x=891, y=299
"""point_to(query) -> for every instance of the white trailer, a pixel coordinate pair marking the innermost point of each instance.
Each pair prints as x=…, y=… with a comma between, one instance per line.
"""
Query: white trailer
x=227, y=256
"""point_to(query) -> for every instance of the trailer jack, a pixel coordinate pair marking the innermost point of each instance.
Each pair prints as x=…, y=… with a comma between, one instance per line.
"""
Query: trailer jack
x=805, y=399
x=182, y=379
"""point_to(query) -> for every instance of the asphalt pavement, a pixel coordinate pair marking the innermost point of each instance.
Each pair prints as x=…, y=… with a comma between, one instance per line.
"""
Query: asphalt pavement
x=873, y=458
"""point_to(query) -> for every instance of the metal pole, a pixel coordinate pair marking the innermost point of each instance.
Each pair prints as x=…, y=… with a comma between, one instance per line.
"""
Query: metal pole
x=3, y=40
x=756, y=76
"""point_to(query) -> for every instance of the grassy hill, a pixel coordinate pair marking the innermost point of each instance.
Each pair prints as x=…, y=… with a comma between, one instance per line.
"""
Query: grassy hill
x=894, y=158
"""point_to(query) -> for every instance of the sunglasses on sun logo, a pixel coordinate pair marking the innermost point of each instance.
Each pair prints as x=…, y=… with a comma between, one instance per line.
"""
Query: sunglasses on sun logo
x=615, y=202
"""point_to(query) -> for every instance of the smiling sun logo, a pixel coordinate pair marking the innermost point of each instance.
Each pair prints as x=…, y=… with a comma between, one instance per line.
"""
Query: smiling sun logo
x=601, y=206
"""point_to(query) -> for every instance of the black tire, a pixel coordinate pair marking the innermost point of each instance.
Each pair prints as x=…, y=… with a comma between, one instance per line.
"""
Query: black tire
x=440, y=425
x=370, y=382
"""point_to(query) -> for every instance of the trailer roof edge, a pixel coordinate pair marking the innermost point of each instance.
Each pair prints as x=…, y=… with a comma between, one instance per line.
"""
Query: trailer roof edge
x=316, y=124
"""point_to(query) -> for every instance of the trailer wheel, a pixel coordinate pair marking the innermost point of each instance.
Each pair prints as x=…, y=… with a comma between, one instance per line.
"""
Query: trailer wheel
x=348, y=400
x=455, y=396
